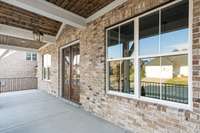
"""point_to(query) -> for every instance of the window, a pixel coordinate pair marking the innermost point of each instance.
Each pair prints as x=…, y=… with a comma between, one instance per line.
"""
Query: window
x=148, y=56
x=31, y=56
x=121, y=58
x=46, y=66
x=163, y=44
x=28, y=56
x=34, y=56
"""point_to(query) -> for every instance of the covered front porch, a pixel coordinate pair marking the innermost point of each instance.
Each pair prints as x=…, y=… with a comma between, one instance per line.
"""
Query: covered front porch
x=34, y=111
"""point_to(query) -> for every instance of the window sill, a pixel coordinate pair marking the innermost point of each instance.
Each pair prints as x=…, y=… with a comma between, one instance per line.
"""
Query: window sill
x=153, y=101
x=46, y=80
x=167, y=103
x=114, y=93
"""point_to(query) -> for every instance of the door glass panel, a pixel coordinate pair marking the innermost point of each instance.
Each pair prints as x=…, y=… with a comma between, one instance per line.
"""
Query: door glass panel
x=174, y=28
x=66, y=72
x=75, y=73
x=149, y=34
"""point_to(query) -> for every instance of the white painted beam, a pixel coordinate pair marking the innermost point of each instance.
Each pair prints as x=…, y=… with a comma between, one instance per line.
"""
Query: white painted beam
x=54, y=12
x=5, y=46
x=106, y=9
x=22, y=33
x=4, y=53
x=60, y=31
x=49, y=10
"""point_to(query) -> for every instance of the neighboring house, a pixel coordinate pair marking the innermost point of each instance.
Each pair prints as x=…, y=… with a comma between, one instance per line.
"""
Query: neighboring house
x=17, y=70
x=168, y=69
x=18, y=64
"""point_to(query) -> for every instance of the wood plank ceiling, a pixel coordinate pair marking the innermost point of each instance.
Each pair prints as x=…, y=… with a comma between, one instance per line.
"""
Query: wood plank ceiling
x=84, y=8
x=17, y=17
x=18, y=42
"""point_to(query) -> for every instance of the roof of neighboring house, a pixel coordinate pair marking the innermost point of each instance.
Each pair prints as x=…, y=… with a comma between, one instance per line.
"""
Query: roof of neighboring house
x=168, y=60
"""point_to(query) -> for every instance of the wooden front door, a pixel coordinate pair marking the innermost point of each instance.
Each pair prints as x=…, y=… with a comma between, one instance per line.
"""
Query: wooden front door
x=71, y=73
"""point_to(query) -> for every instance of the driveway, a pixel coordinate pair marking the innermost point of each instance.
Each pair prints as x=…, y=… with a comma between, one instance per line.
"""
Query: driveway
x=34, y=111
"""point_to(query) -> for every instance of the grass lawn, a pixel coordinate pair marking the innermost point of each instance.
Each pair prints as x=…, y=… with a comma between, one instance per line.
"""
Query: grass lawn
x=178, y=80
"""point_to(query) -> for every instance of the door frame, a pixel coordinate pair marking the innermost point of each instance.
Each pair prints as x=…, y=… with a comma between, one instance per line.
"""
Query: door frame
x=60, y=92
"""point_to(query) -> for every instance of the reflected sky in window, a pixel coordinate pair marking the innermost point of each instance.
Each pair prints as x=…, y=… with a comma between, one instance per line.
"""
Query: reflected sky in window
x=169, y=42
x=116, y=50
x=174, y=41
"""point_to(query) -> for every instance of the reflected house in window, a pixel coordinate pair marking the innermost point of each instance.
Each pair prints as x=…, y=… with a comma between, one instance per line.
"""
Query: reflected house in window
x=171, y=67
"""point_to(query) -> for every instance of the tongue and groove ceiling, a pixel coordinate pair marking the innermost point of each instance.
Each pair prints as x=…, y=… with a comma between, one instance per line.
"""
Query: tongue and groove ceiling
x=48, y=16
x=84, y=8
x=17, y=17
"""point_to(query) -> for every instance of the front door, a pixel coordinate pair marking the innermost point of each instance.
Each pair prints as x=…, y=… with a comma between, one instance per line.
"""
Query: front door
x=71, y=73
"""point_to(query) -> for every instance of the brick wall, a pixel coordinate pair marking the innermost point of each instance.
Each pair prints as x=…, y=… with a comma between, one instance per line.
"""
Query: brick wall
x=127, y=113
x=52, y=85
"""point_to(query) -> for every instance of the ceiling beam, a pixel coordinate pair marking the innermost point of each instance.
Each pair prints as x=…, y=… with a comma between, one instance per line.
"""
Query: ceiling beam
x=60, y=31
x=49, y=10
x=54, y=12
x=106, y=9
x=4, y=53
x=22, y=33
x=5, y=46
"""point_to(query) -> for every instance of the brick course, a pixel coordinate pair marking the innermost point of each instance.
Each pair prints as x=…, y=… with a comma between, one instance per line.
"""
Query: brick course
x=131, y=114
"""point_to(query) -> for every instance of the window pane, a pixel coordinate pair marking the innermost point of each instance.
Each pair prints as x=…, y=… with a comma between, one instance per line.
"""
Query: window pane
x=44, y=73
x=28, y=56
x=174, y=30
x=34, y=56
x=127, y=38
x=150, y=77
x=47, y=60
x=174, y=77
x=114, y=47
x=114, y=75
x=149, y=34
x=127, y=76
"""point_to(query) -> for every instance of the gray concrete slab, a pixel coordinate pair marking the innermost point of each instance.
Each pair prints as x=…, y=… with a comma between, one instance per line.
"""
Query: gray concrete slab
x=34, y=111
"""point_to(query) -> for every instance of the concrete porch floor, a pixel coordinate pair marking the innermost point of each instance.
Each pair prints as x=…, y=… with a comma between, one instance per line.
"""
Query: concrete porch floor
x=34, y=111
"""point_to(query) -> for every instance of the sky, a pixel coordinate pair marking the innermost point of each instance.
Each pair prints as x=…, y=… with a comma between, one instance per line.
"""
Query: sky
x=170, y=41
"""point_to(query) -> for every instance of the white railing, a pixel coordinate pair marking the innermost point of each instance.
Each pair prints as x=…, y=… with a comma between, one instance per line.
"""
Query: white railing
x=17, y=84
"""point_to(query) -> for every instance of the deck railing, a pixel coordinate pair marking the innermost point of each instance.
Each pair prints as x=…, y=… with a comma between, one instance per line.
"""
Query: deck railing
x=17, y=84
x=170, y=92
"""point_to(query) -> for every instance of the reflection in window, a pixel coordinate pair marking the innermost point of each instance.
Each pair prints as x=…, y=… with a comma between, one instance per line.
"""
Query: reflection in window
x=114, y=47
x=120, y=41
x=121, y=76
x=149, y=34
x=173, y=36
x=174, y=79
x=126, y=39
x=165, y=77
x=169, y=74
x=114, y=75
x=163, y=55
x=150, y=73
x=121, y=54
x=174, y=28
x=127, y=76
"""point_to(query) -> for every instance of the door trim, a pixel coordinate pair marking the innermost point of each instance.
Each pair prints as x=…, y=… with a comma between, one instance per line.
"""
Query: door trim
x=60, y=90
